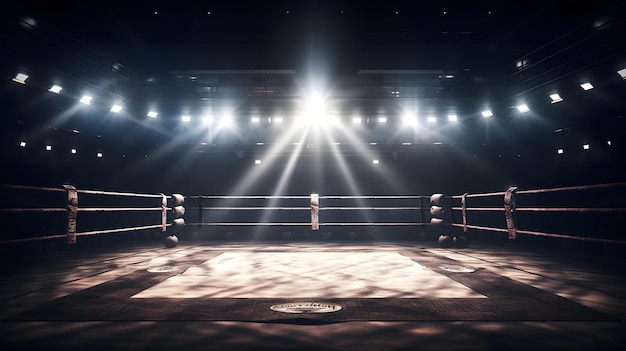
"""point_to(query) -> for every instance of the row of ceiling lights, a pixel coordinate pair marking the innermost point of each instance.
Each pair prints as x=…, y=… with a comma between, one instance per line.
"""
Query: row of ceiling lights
x=227, y=120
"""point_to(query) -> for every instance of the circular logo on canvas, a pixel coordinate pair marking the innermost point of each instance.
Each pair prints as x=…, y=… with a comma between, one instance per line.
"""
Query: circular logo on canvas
x=306, y=307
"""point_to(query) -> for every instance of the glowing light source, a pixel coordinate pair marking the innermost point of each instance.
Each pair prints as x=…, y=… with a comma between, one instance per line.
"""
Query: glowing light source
x=608, y=142
x=622, y=73
x=48, y=147
x=153, y=114
x=382, y=119
x=257, y=162
x=99, y=155
x=116, y=108
x=73, y=151
x=86, y=99
x=186, y=118
x=375, y=162
x=55, y=89
x=556, y=98
x=452, y=118
x=278, y=120
x=586, y=86
x=409, y=120
x=560, y=151
x=255, y=119
x=206, y=119
x=226, y=121
x=406, y=144
x=356, y=120
x=22, y=143
x=431, y=119
x=487, y=113
x=523, y=108
x=585, y=146
x=20, y=78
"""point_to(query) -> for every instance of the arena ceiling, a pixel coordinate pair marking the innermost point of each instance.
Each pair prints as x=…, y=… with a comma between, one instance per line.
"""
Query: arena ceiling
x=365, y=65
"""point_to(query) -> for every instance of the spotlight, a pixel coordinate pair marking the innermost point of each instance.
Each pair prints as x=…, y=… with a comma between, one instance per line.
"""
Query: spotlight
x=73, y=151
x=409, y=120
x=431, y=119
x=382, y=119
x=48, y=147
x=523, y=108
x=622, y=73
x=375, y=162
x=560, y=151
x=20, y=78
x=585, y=146
x=608, y=142
x=226, y=121
x=487, y=113
x=153, y=114
x=206, y=120
x=278, y=120
x=86, y=99
x=586, y=86
x=257, y=162
x=556, y=98
x=452, y=118
x=99, y=155
x=186, y=119
x=356, y=120
x=255, y=120
x=55, y=89
x=22, y=144
x=116, y=108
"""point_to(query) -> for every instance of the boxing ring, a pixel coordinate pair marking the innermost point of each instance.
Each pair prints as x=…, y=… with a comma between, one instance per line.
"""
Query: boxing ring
x=198, y=292
x=454, y=220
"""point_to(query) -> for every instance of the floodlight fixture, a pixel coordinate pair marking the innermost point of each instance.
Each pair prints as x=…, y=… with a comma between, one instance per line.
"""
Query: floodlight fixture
x=555, y=98
x=73, y=151
x=382, y=119
x=406, y=144
x=55, y=89
x=226, y=121
x=487, y=113
x=586, y=147
x=48, y=147
x=375, y=162
x=99, y=155
x=22, y=144
x=609, y=143
x=257, y=162
x=116, y=108
x=153, y=114
x=255, y=120
x=586, y=86
x=278, y=120
x=452, y=118
x=523, y=108
x=560, y=151
x=409, y=120
x=431, y=119
x=356, y=120
x=86, y=99
x=622, y=73
x=20, y=78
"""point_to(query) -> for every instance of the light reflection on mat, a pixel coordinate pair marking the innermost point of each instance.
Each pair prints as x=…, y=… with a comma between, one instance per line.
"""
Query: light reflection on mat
x=309, y=275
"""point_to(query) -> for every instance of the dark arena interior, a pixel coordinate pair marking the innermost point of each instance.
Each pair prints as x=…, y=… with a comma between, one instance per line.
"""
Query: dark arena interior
x=312, y=175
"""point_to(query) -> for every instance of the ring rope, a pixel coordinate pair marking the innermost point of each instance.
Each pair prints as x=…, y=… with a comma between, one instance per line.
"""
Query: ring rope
x=84, y=209
x=306, y=208
x=546, y=209
x=551, y=235
x=538, y=191
x=234, y=224
x=62, y=236
x=27, y=187
x=305, y=197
